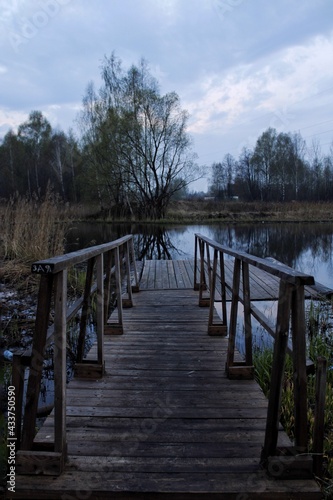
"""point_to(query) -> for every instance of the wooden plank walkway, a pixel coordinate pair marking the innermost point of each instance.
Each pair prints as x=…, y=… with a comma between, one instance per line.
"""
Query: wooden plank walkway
x=164, y=422
x=179, y=274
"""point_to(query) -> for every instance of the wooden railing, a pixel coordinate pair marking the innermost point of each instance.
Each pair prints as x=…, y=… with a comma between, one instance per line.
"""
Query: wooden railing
x=209, y=276
x=102, y=267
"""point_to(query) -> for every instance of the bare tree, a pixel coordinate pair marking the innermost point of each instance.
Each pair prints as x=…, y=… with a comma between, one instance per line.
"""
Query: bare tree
x=137, y=139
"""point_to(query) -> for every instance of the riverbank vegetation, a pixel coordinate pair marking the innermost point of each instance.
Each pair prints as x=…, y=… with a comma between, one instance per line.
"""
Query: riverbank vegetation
x=200, y=209
x=31, y=230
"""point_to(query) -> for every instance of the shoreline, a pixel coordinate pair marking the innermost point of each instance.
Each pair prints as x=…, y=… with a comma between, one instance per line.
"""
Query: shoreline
x=228, y=212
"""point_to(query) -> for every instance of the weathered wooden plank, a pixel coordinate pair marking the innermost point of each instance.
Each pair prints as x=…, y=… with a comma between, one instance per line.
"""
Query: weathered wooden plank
x=228, y=437
x=183, y=400
x=206, y=425
x=149, y=486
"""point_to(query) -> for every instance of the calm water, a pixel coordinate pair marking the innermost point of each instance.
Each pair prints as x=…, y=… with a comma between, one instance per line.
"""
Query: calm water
x=306, y=247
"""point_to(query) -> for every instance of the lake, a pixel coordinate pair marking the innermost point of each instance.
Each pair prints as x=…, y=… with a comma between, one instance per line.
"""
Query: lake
x=307, y=247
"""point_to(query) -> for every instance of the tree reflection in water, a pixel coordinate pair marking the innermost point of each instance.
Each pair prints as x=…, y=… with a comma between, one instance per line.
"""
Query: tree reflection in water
x=307, y=247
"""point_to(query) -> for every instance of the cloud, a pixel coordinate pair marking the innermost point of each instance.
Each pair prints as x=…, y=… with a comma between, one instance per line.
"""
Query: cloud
x=10, y=120
x=270, y=85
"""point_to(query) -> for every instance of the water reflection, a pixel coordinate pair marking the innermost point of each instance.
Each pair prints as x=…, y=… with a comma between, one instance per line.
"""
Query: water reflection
x=306, y=247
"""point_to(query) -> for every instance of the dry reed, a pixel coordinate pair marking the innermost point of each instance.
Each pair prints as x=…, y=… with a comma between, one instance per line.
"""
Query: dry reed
x=31, y=229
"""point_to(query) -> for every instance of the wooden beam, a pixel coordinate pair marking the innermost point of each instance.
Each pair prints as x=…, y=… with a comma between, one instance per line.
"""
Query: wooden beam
x=85, y=309
x=319, y=420
x=279, y=356
x=60, y=360
x=233, y=314
x=36, y=365
x=299, y=362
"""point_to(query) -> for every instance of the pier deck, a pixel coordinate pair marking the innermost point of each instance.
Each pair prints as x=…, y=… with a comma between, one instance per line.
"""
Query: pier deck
x=164, y=422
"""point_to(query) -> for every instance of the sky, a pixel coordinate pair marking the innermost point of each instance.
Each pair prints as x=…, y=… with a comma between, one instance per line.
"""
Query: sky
x=238, y=66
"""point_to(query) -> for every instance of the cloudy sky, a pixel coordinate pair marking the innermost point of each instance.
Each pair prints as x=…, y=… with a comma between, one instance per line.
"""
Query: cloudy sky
x=239, y=66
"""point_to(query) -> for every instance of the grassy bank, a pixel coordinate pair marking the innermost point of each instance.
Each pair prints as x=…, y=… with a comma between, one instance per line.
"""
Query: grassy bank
x=235, y=211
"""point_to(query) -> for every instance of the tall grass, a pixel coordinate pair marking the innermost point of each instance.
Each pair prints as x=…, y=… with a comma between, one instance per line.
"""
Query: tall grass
x=32, y=229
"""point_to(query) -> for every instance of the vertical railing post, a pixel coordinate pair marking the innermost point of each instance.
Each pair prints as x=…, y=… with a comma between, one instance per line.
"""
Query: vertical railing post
x=107, y=283
x=195, y=280
x=214, y=329
x=233, y=315
x=299, y=361
x=129, y=301
x=136, y=286
x=319, y=421
x=203, y=302
x=279, y=356
x=35, y=373
x=100, y=308
x=212, y=285
x=60, y=364
x=118, y=287
x=18, y=371
x=202, y=269
x=116, y=326
x=223, y=290
x=247, y=314
x=85, y=309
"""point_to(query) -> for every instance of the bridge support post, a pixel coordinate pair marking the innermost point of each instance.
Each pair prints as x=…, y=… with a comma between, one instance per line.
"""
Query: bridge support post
x=288, y=462
x=216, y=328
x=240, y=369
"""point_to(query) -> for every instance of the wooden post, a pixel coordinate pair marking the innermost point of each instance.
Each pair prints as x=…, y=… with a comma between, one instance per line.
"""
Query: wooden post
x=116, y=328
x=299, y=361
x=203, y=302
x=118, y=287
x=129, y=301
x=240, y=369
x=60, y=364
x=247, y=314
x=196, y=284
x=319, y=421
x=35, y=374
x=212, y=284
x=223, y=290
x=18, y=371
x=233, y=314
x=100, y=309
x=136, y=286
x=85, y=309
x=107, y=283
x=280, y=349
x=218, y=328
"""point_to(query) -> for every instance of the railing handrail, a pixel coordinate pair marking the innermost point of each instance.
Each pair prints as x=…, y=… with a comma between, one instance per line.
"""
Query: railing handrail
x=209, y=258
x=280, y=270
x=56, y=264
x=102, y=262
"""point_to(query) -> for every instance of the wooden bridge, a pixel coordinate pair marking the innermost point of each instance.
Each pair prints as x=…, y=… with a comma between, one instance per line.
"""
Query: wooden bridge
x=159, y=408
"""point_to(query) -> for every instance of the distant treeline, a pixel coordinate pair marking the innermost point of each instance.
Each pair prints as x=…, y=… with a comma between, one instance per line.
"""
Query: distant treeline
x=280, y=168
